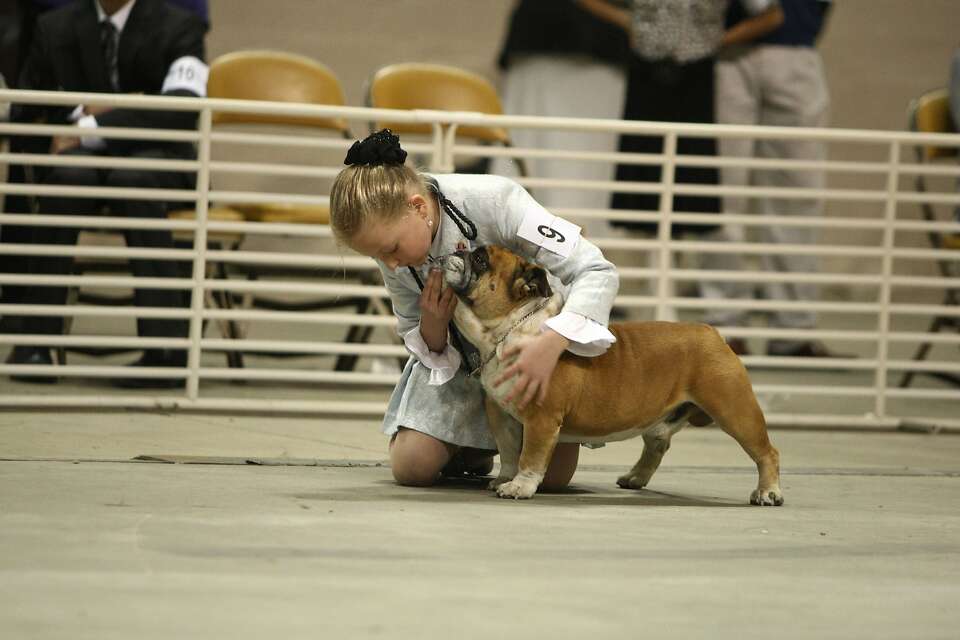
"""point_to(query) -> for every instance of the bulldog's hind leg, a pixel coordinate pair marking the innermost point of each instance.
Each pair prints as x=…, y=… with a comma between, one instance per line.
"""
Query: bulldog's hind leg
x=736, y=410
x=508, y=434
x=656, y=441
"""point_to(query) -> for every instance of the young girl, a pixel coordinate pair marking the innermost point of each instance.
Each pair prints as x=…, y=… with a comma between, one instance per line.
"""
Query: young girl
x=383, y=209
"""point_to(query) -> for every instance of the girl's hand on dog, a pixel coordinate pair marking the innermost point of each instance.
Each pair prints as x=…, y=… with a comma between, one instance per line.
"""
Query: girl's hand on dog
x=534, y=360
x=436, y=309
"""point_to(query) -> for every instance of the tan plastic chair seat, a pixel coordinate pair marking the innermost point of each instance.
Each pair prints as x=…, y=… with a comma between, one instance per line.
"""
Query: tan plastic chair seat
x=440, y=87
x=279, y=77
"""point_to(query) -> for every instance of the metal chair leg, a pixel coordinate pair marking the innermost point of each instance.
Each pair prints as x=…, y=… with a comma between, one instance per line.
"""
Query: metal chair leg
x=922, y=352
x=356, y=334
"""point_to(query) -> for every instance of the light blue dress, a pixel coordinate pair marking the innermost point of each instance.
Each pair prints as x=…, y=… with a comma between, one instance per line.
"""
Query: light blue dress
x=454, y=412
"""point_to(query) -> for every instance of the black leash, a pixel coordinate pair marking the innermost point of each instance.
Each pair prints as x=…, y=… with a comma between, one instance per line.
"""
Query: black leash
x=471, y=357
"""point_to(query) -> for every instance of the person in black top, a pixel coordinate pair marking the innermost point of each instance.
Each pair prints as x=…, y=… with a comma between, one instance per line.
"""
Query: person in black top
x=559, y=60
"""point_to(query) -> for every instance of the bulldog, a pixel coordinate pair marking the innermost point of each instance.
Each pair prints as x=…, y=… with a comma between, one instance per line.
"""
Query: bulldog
x=657, y=378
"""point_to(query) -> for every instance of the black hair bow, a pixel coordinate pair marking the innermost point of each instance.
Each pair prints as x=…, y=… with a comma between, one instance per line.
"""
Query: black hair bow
x=382, y=147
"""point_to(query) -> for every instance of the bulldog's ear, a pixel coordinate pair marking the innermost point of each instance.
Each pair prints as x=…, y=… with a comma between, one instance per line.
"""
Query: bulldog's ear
x=535, y=279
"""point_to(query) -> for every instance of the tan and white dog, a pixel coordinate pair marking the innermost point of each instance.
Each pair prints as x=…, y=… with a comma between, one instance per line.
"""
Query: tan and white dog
x=656, y=379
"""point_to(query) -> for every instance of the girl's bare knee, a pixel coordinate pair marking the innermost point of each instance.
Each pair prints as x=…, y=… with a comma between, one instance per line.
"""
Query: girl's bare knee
x=414, y=475
x=416, y=458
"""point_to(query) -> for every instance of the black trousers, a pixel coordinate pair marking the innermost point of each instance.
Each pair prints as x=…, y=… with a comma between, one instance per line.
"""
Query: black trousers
x=148, y=238
x=665, y=91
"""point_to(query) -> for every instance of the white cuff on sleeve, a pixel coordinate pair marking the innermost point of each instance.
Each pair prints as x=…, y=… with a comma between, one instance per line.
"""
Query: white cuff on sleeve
x=754, y=7
x=187, y=73
x=443, y=366
x=94, y=143
x=587, y=338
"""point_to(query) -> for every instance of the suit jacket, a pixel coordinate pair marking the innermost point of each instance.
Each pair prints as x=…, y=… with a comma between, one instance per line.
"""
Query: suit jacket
x=66, y=55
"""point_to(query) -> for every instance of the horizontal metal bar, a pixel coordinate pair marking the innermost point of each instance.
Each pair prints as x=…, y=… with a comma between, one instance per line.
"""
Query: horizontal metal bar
x=301, y=375
x=687, y=160
x=297, y=346
x=13, y=248
x=849, y=279
x=803, y=420
x=681, y=160
x=783, y=362
x=923, y=394
x=923, y=365
x=289, y=139
x=917, y=336
x=814, y=390
x=119, y=133
x=123, y=342
x=76, y=310
x=286, y=260
x=111, y=193
x=99, y=161
x=274, y=169
x=95, y=222
x=318, y=318
x=337, y=290
x=84, y=371
x=756, y=220
x=800, y=334
x=263, y=197
x=127, y=282
x=179, y=402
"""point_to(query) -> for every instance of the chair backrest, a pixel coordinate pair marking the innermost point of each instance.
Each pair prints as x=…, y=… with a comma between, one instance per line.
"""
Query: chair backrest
x=440, y=87
x=275, y=76
x=930, y=113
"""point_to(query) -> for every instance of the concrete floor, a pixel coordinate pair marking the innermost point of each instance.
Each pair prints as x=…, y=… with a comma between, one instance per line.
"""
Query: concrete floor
x=318, y=542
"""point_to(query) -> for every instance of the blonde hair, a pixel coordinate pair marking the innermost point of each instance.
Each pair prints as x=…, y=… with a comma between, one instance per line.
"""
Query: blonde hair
x=362, y=194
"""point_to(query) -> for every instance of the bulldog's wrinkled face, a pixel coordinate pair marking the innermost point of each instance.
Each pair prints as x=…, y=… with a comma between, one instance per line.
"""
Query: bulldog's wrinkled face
x=493, y=280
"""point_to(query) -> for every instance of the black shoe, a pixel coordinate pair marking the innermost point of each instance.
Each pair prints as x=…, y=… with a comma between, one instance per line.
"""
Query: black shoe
x=470, y=466
x=156, y=358
x=31, y=355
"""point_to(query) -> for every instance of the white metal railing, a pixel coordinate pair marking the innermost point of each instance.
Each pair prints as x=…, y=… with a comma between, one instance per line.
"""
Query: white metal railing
x=884, y=296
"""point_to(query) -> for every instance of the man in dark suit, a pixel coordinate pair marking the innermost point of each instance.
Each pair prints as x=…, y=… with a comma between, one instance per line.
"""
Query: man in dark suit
x=119, y=46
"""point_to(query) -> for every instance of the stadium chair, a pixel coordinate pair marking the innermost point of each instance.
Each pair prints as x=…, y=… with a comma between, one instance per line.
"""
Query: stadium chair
x=442, y=88
x=285, y=77
x=930, y=113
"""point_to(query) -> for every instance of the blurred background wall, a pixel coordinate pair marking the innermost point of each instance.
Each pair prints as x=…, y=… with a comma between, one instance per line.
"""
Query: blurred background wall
x=878, y=53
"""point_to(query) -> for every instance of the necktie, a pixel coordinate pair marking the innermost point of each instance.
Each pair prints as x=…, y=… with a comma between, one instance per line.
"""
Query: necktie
x=108, y=42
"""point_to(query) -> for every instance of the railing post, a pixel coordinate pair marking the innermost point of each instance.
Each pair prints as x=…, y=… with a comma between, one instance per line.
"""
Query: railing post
x=197, y=299
x=664, y=282
x=449, y=140
x=883, y=327
x=437, y=156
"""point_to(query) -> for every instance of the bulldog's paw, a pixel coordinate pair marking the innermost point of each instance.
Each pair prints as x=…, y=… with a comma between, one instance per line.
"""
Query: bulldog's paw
x=517, y=489
x=771, y=497
x=628, y=481
x=498, y=481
